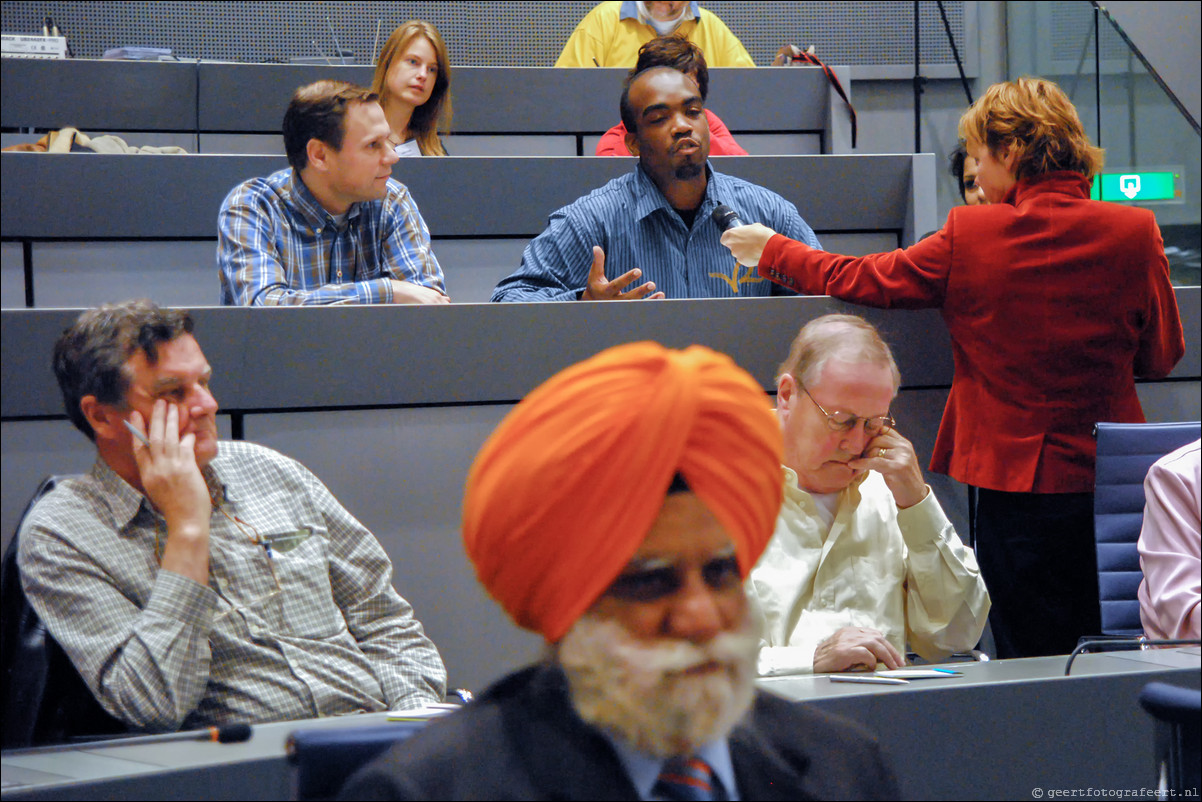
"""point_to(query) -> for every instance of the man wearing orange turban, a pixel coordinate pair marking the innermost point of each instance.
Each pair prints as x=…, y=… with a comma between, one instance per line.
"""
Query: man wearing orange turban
x=616, y=511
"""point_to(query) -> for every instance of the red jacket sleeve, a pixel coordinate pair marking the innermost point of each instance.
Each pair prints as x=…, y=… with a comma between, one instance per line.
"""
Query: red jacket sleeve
x=1162, y=343
x=914, y=278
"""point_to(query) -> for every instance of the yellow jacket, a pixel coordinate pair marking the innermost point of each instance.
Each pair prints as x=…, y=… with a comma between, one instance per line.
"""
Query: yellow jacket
x=610, y=36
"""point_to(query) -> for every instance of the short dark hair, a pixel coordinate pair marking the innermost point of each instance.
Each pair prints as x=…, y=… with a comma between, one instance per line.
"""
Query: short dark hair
x=956, y=168
x=665, y=51
x=679, y=54
x=318, y=111
x=90, y=356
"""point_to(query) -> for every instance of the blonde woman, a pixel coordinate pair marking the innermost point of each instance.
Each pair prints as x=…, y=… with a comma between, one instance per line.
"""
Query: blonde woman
x=413, y=80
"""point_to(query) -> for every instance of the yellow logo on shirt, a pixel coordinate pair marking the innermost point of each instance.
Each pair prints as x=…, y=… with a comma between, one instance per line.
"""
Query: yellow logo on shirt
x=734, y=280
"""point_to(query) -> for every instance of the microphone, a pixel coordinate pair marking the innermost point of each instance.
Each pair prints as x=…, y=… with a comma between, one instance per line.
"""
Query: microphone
x=225, y=734
x=726, y=217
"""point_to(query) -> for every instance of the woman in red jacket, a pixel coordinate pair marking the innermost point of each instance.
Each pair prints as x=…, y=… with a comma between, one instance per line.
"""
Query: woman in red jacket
x=1054, y=304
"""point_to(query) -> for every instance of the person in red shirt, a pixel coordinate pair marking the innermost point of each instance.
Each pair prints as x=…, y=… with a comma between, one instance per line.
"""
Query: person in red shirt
x=1054, y=303
x=679, y=54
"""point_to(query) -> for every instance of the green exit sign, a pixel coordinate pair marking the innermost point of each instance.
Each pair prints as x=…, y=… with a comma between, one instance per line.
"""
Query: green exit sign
x=1136, y=187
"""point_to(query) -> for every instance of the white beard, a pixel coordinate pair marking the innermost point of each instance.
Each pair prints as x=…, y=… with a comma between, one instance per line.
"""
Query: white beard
x=640, y=692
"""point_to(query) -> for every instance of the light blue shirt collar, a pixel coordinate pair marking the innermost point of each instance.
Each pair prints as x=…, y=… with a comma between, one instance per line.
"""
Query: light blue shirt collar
x=644, y=770
x=630, y=10
x=651, y=199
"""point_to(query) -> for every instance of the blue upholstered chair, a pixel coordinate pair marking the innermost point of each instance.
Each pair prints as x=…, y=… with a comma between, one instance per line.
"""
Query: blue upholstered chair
x=323, y=759
x=45, y=700
x=1125, y=453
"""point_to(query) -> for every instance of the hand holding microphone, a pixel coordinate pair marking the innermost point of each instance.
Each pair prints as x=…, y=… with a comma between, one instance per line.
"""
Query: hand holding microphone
x=726, y=217
x=746, y=242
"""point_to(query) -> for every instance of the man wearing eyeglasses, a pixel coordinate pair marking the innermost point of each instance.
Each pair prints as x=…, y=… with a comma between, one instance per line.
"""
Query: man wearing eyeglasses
x=863, y=561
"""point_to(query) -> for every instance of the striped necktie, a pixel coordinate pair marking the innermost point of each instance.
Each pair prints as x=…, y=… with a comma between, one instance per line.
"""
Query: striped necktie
x=687, y=779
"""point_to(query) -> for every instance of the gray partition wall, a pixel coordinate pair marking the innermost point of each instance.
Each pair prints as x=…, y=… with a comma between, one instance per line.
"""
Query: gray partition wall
x=388, y=406
x=876, y=37
x=147, y=225
x=569, y=105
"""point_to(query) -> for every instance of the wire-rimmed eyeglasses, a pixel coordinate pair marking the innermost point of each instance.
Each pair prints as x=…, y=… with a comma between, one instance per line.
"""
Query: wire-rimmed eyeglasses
x=845, y=421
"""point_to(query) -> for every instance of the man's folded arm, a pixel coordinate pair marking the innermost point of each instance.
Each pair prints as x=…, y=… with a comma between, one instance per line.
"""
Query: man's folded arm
x=405, y=247
x=406, y=662
x=946, y=599
x=148, y=667
x=780, y=660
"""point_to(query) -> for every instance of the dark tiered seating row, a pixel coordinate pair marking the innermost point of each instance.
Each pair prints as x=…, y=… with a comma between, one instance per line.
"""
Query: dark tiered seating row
x=220, y=98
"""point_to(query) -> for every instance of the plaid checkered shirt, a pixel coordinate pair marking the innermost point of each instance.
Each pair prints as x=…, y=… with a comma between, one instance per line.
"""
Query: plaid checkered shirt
x=299, y=617
x=276, y=245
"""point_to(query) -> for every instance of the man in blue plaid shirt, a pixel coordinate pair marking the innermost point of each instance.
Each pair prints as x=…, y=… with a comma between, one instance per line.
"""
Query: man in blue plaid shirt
x=333, y=228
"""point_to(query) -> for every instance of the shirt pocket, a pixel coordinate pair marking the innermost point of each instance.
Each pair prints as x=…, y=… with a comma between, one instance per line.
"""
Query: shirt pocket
x=306, y=598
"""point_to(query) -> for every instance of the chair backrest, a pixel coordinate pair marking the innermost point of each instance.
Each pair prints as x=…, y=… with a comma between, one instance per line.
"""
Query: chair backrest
x=1178, y=733
x=45, y=699
x=1125, y=453
x=323, y=759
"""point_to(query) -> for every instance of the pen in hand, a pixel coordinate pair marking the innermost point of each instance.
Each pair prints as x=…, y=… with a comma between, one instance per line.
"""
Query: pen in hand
x=145, y=440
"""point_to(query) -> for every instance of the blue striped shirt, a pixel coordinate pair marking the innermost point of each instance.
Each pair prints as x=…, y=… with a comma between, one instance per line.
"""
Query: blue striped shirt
x=277, y=245
x=636, y=227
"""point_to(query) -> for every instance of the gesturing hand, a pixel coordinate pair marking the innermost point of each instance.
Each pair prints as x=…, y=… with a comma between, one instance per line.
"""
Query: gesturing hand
x=602, y=289
x=855, y=647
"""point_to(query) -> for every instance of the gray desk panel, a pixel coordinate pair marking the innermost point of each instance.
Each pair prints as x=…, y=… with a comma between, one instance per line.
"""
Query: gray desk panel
x=12, y=275
x=499, y=351
x=97, y=96
x=1189, y=305
x=499, y=100
x=178, y=197
x=120, y=196
x=751, y=100
x=536, y=99
x=1000, y=731
x=262, y=93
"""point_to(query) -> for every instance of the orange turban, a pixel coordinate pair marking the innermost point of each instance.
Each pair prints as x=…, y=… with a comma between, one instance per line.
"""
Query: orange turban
x=562, y=494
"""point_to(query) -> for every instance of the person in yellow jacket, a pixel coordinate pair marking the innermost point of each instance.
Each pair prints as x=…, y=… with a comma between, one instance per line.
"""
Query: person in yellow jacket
x=611, y=34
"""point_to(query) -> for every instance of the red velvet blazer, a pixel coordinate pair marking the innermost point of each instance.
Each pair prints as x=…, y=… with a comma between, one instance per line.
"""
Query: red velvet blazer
x=1054, y=304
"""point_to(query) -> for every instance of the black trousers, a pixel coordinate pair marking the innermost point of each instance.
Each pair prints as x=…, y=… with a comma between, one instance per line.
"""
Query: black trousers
x=1036, y=552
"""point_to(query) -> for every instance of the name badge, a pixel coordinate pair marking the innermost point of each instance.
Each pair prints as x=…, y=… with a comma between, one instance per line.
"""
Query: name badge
x=409, y=148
